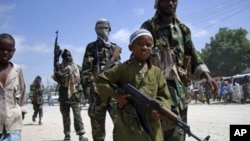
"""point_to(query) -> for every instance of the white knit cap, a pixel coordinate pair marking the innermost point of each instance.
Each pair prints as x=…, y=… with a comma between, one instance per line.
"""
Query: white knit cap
x=138, y=33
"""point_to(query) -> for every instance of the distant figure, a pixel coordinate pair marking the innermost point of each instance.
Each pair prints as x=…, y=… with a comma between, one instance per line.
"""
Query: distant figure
x=50, y=100
x=36, y=96
x=207, y=91
x=222, y=91
x=12, y=92
x=246, y=88
x=70, y=94
x=236, y=90
x=230, y=90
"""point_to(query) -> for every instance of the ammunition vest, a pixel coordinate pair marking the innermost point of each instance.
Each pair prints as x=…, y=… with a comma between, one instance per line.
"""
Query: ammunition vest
x=170, y=48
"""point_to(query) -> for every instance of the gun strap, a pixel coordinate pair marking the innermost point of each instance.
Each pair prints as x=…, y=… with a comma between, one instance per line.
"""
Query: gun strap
x=97, y=57
x=176, y=72
x=116, y=52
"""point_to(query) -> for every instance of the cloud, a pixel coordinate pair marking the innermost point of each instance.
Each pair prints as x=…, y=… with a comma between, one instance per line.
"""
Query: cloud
x=6, y=7
x=38, y=47
x=121, y=36
x=21, y=46
x=4, y=18
x=201, y=32
x=19, y=43
x=139, y=11
x=197, y=32
x=4, y=24
x=23, y=66
x=80, y=49
x=212, y=22
x=41, y=48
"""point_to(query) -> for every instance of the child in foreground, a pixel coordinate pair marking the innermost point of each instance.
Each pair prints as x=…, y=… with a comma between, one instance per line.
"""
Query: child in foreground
x=147, y=78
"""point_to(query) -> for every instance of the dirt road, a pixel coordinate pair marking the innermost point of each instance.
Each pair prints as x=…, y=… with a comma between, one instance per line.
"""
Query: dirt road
x=213, y=120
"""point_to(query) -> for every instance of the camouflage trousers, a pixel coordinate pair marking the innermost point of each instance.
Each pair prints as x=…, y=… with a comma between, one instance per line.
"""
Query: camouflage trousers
x=97, y=113
x=38, y=110
x=65, y=111
x=179, y=106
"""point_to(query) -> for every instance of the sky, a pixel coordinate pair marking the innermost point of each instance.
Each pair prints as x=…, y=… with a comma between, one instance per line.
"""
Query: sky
x=33, y=24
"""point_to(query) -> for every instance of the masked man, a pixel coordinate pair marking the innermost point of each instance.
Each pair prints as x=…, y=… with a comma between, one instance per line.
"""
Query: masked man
x=99, y=56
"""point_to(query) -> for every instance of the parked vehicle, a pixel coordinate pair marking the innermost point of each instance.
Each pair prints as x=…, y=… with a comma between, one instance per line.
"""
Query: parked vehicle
x=45, y=98
x=53, y=98
x=239, y=78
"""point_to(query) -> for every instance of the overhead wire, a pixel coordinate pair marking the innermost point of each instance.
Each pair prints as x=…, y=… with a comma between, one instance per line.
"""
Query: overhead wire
x=228, y=17
x=209, y=11
x=222, y=12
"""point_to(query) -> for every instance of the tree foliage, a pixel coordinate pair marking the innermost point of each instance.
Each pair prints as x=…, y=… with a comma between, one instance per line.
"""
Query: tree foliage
x=228, y=53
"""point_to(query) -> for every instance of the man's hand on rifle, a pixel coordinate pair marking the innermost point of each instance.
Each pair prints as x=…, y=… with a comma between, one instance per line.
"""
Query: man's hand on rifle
x=122, y=99
x=57, y=66
x=95, y=90
x=155, y=115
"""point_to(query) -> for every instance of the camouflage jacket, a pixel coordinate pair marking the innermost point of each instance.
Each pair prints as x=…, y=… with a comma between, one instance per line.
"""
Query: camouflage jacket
x=246, y=87
x=36, y=90
x=68, y=77
x=172, y=45
x=95, y=57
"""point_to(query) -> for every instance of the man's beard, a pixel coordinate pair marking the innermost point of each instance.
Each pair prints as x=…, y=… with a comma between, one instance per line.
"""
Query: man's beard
x=167, y=12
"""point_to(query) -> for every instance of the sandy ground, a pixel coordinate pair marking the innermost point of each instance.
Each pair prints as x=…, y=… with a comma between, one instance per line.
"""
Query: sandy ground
x=203, y=119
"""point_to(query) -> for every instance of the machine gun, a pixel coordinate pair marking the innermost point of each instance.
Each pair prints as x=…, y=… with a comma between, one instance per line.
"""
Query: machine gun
x=57, y=53
x=142, y=103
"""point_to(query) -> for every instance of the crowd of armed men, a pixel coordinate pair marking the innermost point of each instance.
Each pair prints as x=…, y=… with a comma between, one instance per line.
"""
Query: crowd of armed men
x=162, y=62
x=162, y=59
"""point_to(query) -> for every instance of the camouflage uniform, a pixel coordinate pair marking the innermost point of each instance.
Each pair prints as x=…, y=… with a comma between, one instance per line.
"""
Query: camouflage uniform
x=246, y=88
x=173, y=48
x=207, y=91
x=152, y=83
x=70, y=95
x=36, y=96
x=97, y=108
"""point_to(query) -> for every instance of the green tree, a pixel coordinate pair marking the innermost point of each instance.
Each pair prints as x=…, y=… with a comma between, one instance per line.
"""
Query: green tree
x=228, y=53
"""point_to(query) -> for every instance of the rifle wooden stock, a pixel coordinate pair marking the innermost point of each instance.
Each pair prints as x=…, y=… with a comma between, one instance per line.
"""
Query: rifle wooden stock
x=115, y=56
x=183, y=71
x=143, y=103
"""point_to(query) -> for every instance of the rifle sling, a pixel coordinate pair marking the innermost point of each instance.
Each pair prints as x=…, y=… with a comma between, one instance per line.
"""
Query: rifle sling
x=116, y=52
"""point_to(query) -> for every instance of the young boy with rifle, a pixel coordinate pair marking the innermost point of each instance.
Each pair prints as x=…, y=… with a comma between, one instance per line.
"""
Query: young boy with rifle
x=139, y=72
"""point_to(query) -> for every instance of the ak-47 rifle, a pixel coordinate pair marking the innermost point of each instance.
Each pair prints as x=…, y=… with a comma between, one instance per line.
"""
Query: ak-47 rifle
x=57, y=53
x=142, y=103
